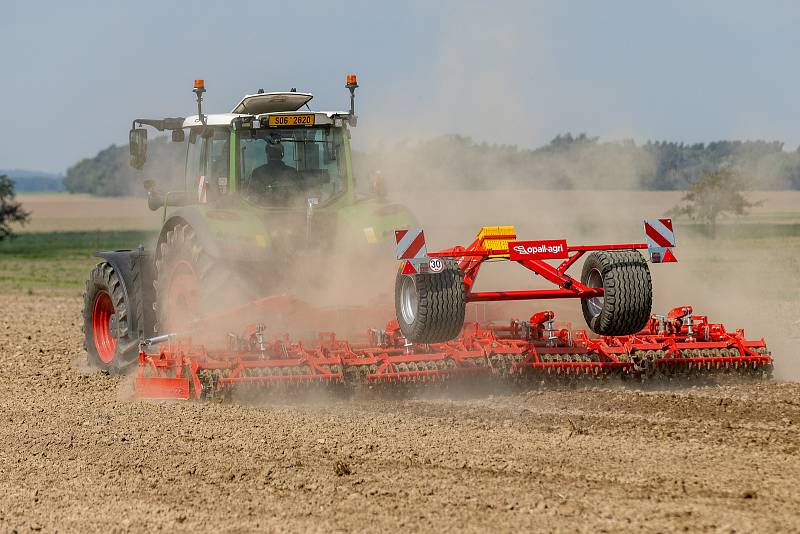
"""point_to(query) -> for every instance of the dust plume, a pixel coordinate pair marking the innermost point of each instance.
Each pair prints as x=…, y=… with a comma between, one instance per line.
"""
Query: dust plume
x=582, y=192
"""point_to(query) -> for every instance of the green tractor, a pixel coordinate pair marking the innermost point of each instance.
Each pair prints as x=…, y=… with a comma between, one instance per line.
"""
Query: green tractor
x=265, y=187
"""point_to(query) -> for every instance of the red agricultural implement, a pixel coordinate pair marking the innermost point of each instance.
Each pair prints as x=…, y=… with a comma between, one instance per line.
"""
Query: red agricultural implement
x=430, y=342
x=676, y=346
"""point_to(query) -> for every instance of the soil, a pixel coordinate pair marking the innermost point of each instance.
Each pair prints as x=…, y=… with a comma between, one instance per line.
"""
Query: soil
x=60, y=211
x=77, y=453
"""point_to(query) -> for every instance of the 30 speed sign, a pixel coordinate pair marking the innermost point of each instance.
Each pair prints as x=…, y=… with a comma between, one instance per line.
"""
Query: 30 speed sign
x=436, y=265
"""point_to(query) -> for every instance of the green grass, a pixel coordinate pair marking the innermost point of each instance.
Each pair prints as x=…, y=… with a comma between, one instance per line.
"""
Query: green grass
x=58, y=260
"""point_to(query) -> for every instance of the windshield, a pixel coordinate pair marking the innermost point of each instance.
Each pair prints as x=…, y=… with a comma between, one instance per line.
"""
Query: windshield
x=291, y=167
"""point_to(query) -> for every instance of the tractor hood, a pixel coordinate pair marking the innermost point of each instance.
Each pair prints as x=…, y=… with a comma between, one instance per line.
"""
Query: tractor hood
x=272, y=102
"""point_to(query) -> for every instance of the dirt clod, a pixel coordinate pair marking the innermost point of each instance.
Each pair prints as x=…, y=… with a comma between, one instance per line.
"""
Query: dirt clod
x=341, y=468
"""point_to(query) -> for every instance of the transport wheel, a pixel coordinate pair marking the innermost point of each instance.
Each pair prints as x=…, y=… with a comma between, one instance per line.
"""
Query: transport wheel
x=625, y=307
x=181, y=267
x=430, y=307
x=109, y=340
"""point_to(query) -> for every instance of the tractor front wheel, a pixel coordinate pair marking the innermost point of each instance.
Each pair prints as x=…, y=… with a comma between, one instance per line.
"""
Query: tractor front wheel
x=624, y=308
x=430, y=307
x=109, y=339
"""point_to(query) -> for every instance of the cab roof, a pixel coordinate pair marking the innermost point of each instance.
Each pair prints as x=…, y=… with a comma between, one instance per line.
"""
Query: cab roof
x=272, y=102
x=226, y=119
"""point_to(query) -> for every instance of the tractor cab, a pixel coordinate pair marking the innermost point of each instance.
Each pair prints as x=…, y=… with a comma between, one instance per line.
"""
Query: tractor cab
x=281, y=159
x=271, y=173
x=267, y=153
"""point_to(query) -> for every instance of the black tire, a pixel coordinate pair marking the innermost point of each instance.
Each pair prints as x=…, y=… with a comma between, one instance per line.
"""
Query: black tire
x=179, y=250
x=219, y=284
x=625, y=277
x=430, y=307
x=110, y=340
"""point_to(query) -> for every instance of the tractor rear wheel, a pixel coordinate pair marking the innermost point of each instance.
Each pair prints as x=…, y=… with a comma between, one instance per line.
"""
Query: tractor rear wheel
x=625, y=306
x=108, y=311
x=430, y=307
x=191, y=284
x=181, y=267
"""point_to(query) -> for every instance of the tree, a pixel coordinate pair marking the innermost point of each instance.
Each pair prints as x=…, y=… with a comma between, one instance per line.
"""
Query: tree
x=716, y=193
x=10, y=210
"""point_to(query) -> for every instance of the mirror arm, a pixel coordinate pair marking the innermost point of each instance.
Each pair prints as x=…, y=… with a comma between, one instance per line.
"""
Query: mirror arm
x=168, y=123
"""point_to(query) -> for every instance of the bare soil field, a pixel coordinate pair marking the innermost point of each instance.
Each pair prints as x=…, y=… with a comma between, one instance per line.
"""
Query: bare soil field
x=540, y=210
x=76, y=454
x=79, y=454
x=64, y=212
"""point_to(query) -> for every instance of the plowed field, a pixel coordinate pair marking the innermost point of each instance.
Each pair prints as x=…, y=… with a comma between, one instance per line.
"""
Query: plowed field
x=77, y=454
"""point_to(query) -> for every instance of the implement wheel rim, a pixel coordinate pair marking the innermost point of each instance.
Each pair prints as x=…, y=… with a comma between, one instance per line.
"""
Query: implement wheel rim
x=595, y=281
x=408, y=300
x=181, y=303
x=104, y=339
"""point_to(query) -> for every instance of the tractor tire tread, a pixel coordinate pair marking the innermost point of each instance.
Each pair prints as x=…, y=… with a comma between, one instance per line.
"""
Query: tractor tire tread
x=179, y=242
x=104, y=277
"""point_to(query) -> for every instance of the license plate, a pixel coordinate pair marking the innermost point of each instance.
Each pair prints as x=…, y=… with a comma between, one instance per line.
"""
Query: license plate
x=292, y=120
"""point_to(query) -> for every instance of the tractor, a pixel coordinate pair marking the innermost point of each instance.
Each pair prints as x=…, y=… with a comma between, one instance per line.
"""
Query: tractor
x=269, y=198
x=264, y=184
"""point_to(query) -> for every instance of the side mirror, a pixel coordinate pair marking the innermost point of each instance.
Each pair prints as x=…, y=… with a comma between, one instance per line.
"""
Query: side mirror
x=138, y=146
x=178, y=136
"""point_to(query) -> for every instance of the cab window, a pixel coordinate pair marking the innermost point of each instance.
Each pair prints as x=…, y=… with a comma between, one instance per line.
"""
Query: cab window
x=195, y=159
x=217, y=162
x=288, y=167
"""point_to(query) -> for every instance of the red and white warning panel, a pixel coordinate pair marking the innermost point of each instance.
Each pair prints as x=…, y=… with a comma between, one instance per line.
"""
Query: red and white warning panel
x=410, y=248
x=548, y=249
x=660, y=238
x=410, y=244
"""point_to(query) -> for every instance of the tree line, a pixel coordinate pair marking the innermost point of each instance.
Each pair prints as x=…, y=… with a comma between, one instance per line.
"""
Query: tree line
x=566, y=162
x=109, y=173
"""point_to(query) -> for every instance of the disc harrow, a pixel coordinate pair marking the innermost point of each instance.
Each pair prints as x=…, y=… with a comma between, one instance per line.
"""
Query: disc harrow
x=533, y=352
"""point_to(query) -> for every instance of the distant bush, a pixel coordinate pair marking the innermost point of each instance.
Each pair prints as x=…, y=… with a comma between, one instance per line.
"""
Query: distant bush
x=11, y=211
x=717, y=193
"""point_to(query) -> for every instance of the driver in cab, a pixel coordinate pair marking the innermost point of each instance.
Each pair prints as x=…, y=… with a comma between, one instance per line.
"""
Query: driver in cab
x=274, y=179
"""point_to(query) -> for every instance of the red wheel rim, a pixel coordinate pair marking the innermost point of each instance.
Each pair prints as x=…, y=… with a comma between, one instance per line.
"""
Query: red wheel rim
x=181, y=297
x=104, y=340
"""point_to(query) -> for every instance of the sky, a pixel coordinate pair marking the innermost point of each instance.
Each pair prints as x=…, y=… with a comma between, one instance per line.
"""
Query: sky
x=75, y=74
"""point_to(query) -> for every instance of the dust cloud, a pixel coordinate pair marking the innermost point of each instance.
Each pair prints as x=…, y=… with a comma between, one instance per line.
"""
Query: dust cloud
x=584, y=197
x=742, y=282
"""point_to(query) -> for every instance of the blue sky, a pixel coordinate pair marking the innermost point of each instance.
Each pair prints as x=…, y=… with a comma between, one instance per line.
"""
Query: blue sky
x=77, y=73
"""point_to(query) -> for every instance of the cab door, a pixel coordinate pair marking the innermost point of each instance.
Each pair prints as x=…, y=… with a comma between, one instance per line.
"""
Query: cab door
x=218, y=149
x=207, y=168
x=196, y=164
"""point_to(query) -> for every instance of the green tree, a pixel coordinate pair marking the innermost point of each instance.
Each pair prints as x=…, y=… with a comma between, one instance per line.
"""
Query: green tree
x=10, y=210
x=716, y=193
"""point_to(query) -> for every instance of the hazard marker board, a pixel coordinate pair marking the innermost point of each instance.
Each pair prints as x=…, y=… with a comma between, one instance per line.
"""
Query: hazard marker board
x=410, y=244
x=659, y=233
x=660, y=237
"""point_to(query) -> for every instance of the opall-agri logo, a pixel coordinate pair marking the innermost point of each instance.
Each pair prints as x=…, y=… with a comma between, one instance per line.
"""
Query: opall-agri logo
x=538, y=250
